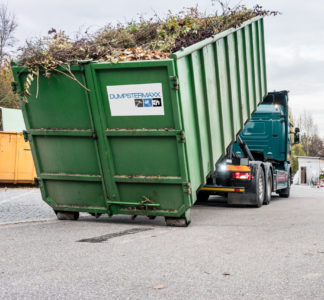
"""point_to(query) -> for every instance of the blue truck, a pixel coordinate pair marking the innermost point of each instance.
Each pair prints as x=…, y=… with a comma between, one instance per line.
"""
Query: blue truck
x=259, y=162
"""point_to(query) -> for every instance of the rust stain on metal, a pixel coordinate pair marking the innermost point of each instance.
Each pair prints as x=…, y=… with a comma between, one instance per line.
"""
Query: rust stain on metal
x=65, y=129
x=147, y=177
x=71, y=174
x=140, y=129
x=148, y=208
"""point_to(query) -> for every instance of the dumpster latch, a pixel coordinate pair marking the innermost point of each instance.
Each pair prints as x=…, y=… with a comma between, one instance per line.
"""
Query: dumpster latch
x=25, y=134
x=182, y=136
x=187, y=188
x=94, y=135
x=175, y=81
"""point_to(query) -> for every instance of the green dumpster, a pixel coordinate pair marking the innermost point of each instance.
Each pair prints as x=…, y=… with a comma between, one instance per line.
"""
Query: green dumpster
x=145, y=135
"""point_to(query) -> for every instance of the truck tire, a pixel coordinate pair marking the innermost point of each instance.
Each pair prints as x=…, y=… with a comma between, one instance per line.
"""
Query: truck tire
x=260, y=188
x=67, y=215
x=268, y=189
x=285, y=193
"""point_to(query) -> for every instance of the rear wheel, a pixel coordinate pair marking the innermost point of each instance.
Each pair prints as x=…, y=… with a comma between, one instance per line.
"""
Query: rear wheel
x=268, y=191
x=260, y=188
x=67, y=215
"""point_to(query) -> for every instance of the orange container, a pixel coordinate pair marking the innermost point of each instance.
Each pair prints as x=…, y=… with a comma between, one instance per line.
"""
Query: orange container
x=16, y=162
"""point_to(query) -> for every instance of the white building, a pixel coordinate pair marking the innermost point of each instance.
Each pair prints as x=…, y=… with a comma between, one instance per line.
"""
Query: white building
x=309, y=167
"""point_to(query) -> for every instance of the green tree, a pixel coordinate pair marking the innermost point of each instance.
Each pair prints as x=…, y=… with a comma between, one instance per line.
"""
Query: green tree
x=297, y=150
x=7, y=97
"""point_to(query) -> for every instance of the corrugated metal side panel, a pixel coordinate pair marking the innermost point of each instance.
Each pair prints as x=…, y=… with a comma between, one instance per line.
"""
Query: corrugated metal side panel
x=8, y=150
x=221, y=84
x=16, y=162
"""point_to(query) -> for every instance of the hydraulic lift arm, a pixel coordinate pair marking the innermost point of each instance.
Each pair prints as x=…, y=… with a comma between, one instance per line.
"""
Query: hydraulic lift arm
x=245, y=148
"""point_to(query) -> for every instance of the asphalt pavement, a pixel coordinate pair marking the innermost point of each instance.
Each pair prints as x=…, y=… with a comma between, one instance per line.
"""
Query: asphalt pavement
x=23, y=204
x=274, y=252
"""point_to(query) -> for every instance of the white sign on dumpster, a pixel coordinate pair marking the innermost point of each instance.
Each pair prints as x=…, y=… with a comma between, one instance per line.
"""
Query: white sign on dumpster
x=136, y=99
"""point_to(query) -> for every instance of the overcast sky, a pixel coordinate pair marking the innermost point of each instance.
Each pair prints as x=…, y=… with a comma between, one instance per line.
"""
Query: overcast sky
x=294, y=40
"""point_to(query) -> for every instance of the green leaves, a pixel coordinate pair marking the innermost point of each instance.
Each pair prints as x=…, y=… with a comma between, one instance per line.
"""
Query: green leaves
x=8, y=95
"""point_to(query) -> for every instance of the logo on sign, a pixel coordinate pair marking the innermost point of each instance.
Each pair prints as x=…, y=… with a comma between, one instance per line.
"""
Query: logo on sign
x=148, y=102
x=157, y=102
x=139, y=102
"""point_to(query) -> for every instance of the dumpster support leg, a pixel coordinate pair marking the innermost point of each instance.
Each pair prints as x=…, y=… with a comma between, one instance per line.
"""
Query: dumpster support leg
x=182, y=221
x=67, y=215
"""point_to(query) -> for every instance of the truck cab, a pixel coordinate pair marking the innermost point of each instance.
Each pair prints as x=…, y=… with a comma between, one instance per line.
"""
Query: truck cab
x=258, y=163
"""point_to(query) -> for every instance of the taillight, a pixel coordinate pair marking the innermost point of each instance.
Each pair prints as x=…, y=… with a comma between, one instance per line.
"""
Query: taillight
x=241, y=175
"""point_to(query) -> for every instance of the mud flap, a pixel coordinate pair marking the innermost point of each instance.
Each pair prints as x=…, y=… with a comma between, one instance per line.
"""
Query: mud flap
x=242, y=199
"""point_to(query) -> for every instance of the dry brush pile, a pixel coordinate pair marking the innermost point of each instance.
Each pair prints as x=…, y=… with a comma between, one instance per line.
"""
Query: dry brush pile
x=150, y=39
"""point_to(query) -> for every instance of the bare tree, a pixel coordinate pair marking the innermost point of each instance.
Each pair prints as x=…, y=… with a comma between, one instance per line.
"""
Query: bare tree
x=8, y=26
x=311, y=142
x=316, y=147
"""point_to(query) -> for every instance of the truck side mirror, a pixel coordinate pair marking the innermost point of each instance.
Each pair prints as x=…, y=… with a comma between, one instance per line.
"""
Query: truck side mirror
x=297, y=136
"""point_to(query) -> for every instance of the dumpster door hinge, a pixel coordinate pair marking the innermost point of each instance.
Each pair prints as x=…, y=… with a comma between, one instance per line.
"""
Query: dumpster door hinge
x=182, y=136
x=175, y=82
x=187, y=188
x=94, y=135
x=25, y=134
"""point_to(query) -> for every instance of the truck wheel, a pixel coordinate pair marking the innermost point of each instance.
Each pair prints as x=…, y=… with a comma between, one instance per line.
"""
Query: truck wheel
x=67, y=215
x=285, y=193
x=260, y=188
x=268, y=190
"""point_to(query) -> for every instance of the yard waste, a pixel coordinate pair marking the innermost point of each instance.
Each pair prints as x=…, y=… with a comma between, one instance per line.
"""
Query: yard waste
x=151, y=39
